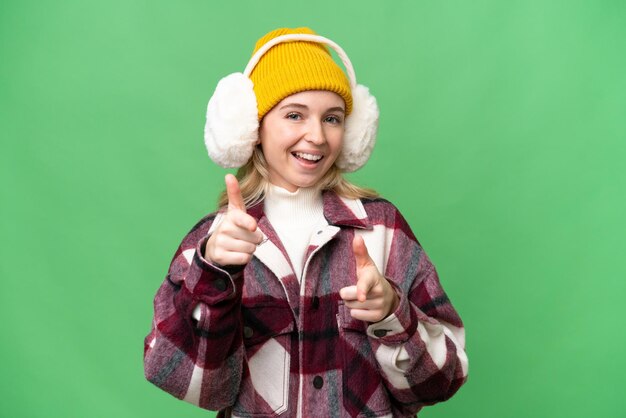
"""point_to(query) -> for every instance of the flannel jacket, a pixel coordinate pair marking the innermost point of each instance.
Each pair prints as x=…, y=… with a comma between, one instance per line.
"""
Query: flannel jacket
x=266, y=345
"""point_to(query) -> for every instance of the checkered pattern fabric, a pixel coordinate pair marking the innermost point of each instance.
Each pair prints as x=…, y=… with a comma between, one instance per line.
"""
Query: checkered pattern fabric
x=266, y=345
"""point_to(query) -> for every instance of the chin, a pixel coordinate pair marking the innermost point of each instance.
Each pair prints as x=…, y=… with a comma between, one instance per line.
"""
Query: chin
x=305, y=183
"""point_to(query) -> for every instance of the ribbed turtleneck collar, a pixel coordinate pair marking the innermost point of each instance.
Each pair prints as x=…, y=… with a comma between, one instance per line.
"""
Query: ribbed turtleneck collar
x=304, y=203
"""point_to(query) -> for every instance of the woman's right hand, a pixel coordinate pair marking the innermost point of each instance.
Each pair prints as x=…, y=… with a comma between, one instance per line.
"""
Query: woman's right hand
x=237, y=236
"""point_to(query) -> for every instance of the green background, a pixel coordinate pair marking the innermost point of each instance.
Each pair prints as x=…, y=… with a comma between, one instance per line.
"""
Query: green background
x=502, y=140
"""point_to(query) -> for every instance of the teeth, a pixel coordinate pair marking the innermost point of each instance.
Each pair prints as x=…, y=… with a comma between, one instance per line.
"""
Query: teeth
x=309, y=157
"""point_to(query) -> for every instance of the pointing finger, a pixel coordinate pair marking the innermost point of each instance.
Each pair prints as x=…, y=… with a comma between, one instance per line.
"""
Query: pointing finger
x=361, y=255
x=235, y=200
x=363, y=287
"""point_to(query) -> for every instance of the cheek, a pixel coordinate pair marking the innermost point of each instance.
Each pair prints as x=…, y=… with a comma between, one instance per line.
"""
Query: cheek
x=274, y=149
x=337, y=142
x=279, y=138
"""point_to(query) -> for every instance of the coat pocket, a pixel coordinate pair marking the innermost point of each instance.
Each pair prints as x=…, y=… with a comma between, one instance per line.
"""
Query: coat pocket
x=364, y=394
x=267, y=334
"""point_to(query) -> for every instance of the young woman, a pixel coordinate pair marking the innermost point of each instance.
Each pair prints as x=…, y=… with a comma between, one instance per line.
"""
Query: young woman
x=303, y=295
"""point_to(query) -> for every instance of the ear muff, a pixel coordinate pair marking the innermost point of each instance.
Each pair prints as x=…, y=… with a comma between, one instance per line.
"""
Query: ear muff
x=232, y=127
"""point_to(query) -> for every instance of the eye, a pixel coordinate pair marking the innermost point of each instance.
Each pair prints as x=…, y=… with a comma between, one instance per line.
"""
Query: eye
x=293, y=116
x=335, y=120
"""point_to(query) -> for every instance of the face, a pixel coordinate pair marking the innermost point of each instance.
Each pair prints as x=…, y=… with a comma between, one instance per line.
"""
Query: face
x=301, y=137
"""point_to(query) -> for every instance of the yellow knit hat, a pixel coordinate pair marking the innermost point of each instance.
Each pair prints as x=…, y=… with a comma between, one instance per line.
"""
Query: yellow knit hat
x=292, y=67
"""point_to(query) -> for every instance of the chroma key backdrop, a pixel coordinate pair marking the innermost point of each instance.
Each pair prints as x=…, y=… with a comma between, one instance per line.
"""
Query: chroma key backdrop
x=502, y=140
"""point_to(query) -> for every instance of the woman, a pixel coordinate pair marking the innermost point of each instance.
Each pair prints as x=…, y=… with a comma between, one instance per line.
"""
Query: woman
x=304, y=295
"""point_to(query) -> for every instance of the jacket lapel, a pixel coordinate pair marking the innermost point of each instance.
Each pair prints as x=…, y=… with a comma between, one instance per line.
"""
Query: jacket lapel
x=338, y=212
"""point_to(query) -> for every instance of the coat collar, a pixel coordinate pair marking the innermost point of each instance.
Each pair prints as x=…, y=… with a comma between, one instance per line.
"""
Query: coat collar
x=338, y=211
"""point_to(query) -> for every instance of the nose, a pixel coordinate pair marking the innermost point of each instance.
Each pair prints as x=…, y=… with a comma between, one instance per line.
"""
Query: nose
x=315, y=133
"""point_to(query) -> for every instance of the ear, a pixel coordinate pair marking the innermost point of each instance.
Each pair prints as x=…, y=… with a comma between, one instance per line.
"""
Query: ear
x=232, y=127
x=361, y=128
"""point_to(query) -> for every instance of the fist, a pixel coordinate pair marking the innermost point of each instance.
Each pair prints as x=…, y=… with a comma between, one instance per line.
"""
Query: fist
x=372, y=299
x=234, y=240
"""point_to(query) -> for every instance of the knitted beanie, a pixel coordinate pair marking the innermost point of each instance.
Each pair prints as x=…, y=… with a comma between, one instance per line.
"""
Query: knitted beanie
x=292, y=67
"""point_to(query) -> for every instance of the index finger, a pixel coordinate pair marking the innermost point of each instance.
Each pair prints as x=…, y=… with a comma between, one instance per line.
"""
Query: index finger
x=235, y=200
x=363, y=287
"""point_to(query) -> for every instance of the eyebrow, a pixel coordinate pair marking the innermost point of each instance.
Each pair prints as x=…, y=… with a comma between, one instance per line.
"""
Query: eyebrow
x=301, y=106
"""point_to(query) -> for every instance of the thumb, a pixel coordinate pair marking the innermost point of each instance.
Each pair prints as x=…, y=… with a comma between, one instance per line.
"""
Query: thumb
x=361, y=255
x=235, y=200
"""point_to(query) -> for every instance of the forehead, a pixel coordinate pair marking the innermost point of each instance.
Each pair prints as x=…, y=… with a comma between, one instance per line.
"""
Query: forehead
x=314, y=99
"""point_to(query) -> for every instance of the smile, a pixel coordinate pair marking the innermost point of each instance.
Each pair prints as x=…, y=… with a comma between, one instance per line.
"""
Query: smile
x=307, y=157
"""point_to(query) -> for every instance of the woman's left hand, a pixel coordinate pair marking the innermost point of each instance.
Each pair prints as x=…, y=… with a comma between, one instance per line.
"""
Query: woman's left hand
x=372, y=299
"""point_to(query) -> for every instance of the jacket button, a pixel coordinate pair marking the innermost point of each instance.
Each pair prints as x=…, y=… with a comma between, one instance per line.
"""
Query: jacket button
x=247, y=332
x=315, y=303
x=220, y=284
x=380, y=333
x=319, y=232
x=318, y=382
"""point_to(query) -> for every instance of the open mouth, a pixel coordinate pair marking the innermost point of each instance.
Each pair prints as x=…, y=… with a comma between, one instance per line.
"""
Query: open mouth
x=307, y=158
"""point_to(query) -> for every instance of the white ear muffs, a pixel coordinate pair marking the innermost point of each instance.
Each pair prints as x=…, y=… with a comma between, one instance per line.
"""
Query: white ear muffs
x=232, y=127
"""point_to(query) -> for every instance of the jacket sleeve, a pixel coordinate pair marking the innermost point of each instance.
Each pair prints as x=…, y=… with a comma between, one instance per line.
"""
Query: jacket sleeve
x=197, y=360
x=421, y=346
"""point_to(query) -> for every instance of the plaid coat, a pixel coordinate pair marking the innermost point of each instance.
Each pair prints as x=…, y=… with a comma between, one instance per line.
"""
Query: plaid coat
x=266, y=345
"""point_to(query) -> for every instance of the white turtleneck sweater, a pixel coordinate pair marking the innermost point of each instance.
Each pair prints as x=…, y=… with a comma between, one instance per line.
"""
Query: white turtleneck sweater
x=295, y=216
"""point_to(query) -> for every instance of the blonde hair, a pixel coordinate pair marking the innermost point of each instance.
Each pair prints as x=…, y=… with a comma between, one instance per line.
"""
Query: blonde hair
x=254, y=181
